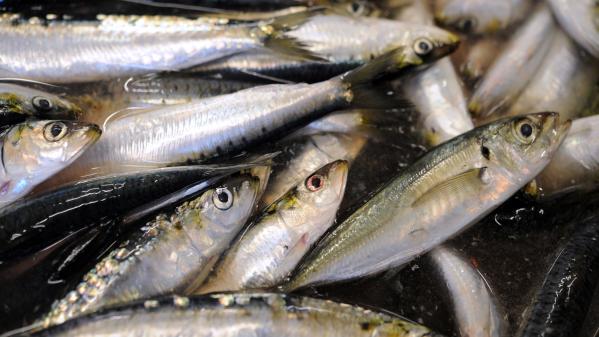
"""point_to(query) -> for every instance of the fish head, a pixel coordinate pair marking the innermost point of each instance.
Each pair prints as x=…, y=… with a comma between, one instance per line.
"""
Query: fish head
x=325, y=187
x=473, y=16
x=430, y=44
x=262, y=173
x=17, y=103
x=356, y=8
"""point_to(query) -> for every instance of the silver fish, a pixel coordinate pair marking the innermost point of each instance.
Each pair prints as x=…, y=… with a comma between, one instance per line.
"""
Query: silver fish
x=514, y=68
x=272, y=247
x=443, y=193
x=479, y=58
x=33, y=151
x=476, y=309
x=578, y=19
x=480, y=16
x=170, y=254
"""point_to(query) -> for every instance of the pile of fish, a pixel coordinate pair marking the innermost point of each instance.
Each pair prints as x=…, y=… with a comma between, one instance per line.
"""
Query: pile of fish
x=215, y=168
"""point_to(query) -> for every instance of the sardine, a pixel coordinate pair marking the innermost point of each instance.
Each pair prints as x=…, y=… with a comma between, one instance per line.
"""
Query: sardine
x=443, y=193
x=514, y=68
x=33, y=151
x=170, y=254
x=282, y=234
x=476, y=309
x=480, y=16
x=579, y=20
x=240, y=315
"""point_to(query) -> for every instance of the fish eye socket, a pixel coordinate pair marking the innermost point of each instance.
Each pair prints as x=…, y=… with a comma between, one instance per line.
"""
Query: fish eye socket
x=423, y=47
x=42, y=104
x=315, y=182
x=55, y=131
x=524, y=131
x=467, y=24
x=356, y=7
x=222, y=198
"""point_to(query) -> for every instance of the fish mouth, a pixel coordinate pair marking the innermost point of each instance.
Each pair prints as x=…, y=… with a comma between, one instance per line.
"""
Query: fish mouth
x=447, y=47
x=338, y=175
x=554, y=128
x=90, y=133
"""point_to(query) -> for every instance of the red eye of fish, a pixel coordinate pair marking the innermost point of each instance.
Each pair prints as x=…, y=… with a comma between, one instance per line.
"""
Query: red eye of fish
x=315, y=183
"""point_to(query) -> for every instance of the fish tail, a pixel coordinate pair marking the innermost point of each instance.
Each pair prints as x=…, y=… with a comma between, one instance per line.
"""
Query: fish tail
x=379, y=67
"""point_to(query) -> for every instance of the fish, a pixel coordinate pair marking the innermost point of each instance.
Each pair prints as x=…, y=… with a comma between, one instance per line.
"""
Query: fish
x=264, y=314
x=436, y=92
x=271, y=248
x=121, y=46
x=575, y=165
x=514, y=68
x=19, y=102
x=477, y=311
x=169, y=254
x=33, y=151
x=564, y=82
x=221, y=125
x=561, y=303
x=480, y=16
x=578, y=19
x=343, y=42
x=479, y=169
x=479, y=58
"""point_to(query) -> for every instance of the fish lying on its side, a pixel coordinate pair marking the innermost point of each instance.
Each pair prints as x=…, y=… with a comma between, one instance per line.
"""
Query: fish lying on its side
x=579, y=20
x=268, y=315
x=443, y=193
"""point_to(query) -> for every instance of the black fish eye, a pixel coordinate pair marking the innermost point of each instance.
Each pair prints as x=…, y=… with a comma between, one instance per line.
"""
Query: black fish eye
x=222, y=198
x=55, y=131
x=467, y=24
x=314, y=183
x=526, y=130
x=423, y=47
x=42, y=103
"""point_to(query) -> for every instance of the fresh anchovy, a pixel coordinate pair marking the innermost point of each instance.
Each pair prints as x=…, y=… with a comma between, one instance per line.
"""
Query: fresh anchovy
x=223, y=124
x=480, y=16
x=476, y=309
x=564, y=82
x=575, y=165
x=18, y=103
x=240, y=315
x=436, y=92
x=119, y=46
x=33, y=151
x=343, y=42
x=514, y=68
x=479, y=58
x=579, y=20
x=563, y=300
x=170, y=254
x=444, y=192
x=282, y=234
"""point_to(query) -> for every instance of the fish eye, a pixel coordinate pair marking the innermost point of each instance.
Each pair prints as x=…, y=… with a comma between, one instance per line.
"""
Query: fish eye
x=524, y=131
x=356, y=7
x=315, y=182
x=41, y=103
x=423, y=46
x=222, y=198
x=55, y=131
x=467, y=24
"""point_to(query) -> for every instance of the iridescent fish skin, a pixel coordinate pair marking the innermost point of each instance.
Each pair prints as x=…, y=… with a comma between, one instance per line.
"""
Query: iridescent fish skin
x=579, y=20
x=444, y=192
x=480, y=16
x=170, y=254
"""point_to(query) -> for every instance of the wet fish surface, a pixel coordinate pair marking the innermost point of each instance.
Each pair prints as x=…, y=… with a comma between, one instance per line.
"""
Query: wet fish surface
x=578, y=18
x=480, y=16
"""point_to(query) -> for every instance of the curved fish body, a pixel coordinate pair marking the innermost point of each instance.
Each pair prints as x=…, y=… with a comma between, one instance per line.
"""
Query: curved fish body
x=441, y=194
x=578, y=19
x=272, y=247
x=513, y=69
x=221, y=315
x=170, y=254
x=474, y=305
x=479, y=58
x=33, y=151
x=575, y=166
x=480, y=16
x=563, y=83
x=436, y=91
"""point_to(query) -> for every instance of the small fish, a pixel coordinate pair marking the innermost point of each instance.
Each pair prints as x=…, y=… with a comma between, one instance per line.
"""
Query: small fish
x=33, y=151
x=479, y=58
x=440, y=195
x=480, y=16
x=18, y=103
x=223, y=315
x=476, y=309
x=513, y=69
x=579, y=20
x=170, y=254
x=282, y=234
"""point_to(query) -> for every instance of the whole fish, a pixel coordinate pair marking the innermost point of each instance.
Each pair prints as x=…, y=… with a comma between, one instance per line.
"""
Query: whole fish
x=343, y=42
x=118, y=46
x=170, y=254
x=441, y=194
x=436, y=92
x=563, y=83
x=240, y=315
x=480, y=16
x=33, y=151
x=479, y=58
x=282, y=234
x=18, y=103
x=473, y=303
x=579, y=20
x=575, y=165
x=219, y=125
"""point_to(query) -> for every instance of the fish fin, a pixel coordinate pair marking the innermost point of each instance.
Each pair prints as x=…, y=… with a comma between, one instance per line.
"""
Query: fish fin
x=367, y=96
x=291, y=47
x=293, y=20
x=451, y=185
x=294, y=254
x=266, y=77
x=385, y=64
